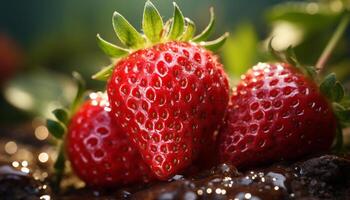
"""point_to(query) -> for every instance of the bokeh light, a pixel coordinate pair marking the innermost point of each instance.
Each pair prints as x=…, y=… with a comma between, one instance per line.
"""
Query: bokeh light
x=11, y=147
x=41, y=133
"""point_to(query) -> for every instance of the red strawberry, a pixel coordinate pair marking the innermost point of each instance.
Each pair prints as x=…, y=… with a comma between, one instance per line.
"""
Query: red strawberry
x=169, y=97
x=276, y=113
x=99, y=151
x=169, y=104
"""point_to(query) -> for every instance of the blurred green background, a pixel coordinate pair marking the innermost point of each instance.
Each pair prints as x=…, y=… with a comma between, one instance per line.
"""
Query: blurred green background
x=42, y=42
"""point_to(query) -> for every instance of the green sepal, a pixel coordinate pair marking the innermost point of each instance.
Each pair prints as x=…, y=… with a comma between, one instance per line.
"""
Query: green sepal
x=61, y=115
x=287, y=56
x=327, y=85
x=59, y=167
x=341, y=112
x=332, y=89
x=59, y=128
x=343, y=116
x=111, y=49
x=346, y=101
x=338, y=92
x=311, y=71
x=104, y=73
x=178, y=28
x=152, y=23
x=291, y=57
x=215, y=44
x=273, y=52
x=204, y=35
x=339, y=140
x=55, y=128
x=126, y=33
x=343, y=120
x=59, y=164
x=81, y=88
x=177, y=24
x=190, y=30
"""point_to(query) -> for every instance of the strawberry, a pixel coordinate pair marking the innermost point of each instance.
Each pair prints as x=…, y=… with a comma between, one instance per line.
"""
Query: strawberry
x=284, y=111
x=276, y=113
x=168, y=91
x=99, y=150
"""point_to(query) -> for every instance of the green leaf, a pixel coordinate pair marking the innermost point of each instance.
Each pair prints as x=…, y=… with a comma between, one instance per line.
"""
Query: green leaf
x=126, y=33
x=152, y=23
x=332, y=88
x=346, y=101
x=166, y=28
x=33, y=91
x=338, y=92
x=190, y=30
x=80, y=91
x=337, y=107
x=55, y=128
x=343, y=116
x=177, y=24
x=104, y=74
x=111, y=49
x=61, y=115
x=327, y=85
x=207, y=31
x=291, y=57
x=215, y=44
x=240, y=50
x=310, y=16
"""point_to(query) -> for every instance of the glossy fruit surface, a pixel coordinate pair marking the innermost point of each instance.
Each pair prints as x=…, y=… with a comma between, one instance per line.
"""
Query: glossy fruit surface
x=169, y=99
x=276, y=113
x=99, y=151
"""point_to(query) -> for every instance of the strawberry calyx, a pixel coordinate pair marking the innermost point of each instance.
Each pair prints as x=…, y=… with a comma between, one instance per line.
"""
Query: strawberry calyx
x=178, y=28
x=288, y=56
x=329, y=86
x=332, y=88
x=58, y=128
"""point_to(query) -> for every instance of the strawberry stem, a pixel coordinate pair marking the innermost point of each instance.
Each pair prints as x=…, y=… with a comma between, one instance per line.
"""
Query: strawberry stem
x=327, y=52
x=58, y=128
x=339, y=144
x=59, y=168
